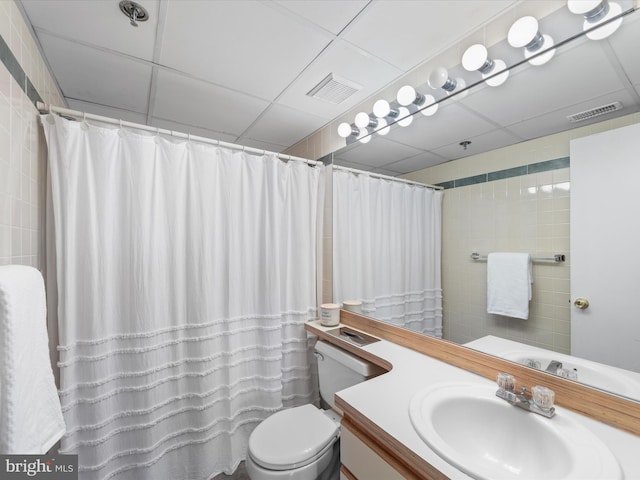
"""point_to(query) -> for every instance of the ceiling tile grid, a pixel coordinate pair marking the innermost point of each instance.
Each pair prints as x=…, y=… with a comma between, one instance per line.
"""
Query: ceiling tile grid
x=240, y=71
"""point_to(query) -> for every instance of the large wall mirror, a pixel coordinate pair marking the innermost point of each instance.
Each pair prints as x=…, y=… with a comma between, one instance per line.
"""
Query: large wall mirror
x=511, y=187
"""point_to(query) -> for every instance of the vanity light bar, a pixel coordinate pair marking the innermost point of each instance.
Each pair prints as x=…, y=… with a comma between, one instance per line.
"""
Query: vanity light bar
x=557, y=258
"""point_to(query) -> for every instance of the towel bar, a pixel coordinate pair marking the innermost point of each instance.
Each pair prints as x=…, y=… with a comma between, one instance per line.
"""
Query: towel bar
x=557, y=258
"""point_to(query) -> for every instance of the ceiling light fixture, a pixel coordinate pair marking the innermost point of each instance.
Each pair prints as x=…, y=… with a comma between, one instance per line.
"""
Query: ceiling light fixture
x=383, y=127
x=404, y=117
x=379, y=125
x=439, y=78
x=596, y=12
x=382, y=109
x=524, y=33
x=364, y=136
x=346, y=130
x=363, y=120
x=426, y=104
x=476, y=57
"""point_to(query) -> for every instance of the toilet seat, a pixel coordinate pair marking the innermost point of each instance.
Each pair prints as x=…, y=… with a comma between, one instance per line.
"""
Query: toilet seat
x=292, y=438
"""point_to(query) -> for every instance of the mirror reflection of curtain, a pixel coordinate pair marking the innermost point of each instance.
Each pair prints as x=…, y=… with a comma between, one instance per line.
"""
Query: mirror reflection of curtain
x=386, y=249
x=186, y=273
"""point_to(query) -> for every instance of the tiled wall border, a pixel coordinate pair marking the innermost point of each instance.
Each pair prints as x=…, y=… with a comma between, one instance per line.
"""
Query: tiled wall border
x=11, y=63
x=545, y=166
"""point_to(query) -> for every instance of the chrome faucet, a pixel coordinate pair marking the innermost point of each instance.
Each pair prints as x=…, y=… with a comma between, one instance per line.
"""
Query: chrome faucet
x=540, y=402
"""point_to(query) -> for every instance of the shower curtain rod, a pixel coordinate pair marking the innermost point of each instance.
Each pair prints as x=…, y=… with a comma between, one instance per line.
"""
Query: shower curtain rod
x=388, y=177
x=46, y=108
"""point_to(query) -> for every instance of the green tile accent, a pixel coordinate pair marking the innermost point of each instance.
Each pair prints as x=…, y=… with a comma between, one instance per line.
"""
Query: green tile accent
x=446, y=185
x=463, y=182
x=548, y=165
x=554, y=164
x=32, y=93
x=508, y=173
x=16, y=71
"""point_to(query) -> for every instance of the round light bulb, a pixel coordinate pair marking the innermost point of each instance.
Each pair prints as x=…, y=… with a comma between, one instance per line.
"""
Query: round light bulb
x=580, y=7
x=605, y=30
x=404, y=117
x=364, y=136
x=344, y=130
x=523, y=32
x=406, y=95
x=475, y=57
x=460, y=85
x=362, y=120
x=545, y=57
x=381, y=108
x=438, y=78
x=383, y=127
x=497, y=80
x=430, y=104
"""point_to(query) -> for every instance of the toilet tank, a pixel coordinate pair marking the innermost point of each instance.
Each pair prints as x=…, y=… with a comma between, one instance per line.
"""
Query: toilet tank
x=339, y=369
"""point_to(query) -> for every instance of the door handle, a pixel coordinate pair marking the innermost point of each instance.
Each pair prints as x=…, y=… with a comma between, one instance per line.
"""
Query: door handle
x=581, y=303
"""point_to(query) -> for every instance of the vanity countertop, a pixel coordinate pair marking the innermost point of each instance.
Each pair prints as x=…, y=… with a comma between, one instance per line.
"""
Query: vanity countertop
x=412, y=371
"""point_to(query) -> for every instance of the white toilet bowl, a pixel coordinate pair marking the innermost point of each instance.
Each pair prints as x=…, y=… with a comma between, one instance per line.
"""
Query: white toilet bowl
x=300, y=443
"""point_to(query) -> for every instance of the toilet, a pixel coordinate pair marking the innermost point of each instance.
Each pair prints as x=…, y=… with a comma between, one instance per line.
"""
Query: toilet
x=302, y=443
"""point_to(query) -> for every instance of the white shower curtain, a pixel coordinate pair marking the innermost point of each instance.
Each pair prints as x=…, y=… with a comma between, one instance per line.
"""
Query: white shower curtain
x=185, y=274
x=386, y=249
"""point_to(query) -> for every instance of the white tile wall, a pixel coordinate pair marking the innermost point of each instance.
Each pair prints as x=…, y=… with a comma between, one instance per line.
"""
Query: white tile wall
x=524, y=214
x=22, y=146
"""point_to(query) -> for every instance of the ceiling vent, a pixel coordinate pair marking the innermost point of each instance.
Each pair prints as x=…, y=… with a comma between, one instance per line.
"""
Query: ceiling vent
x=334, y=89
x=594, y=112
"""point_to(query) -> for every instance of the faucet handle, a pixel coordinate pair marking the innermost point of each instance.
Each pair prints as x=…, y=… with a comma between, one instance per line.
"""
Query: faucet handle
x=506, y=382
x=543, y=397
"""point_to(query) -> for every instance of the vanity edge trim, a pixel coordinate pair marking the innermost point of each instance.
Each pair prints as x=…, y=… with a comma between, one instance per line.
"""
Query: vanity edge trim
x=610, y=409
x=391, y=450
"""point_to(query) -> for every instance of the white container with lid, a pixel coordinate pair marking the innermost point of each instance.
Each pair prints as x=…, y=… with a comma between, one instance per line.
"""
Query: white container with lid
x=329, y=314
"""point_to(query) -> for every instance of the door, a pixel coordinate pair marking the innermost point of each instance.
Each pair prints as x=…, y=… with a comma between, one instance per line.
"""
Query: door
x=605, y=247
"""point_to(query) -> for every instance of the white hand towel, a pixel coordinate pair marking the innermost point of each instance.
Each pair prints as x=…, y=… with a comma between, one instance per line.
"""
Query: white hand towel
x=30, y=414
x=509, y=282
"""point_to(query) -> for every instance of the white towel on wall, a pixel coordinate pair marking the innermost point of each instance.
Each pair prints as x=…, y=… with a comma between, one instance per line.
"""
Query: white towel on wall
x=30, y=414
x=509, y=280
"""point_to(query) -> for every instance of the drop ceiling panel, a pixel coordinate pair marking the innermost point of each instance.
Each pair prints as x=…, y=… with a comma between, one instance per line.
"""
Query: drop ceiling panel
x=450, y=124
x=332, y=15
x=201, y=104
x=406, y=32
x=283, y=125
x=96, y=23
x=106, y=111
x=625, y=43
x=556, y=121
x=95, y=76
x=557, y=84
x=345, y=61
x=479, y=144
x=377, y=153
x=423, y=160
x=247, y=46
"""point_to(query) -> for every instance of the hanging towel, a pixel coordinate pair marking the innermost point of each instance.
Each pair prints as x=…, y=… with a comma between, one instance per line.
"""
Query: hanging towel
x=30, y=414
x=509, y=282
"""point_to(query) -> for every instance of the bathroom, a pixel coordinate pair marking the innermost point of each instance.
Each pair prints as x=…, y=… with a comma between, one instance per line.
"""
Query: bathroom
x=472, y=214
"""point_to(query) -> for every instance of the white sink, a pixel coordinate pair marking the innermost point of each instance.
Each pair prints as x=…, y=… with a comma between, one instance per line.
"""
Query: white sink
x=487, y=438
